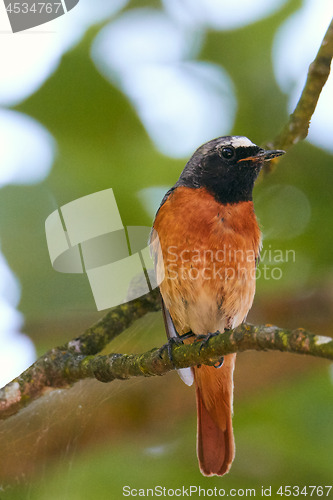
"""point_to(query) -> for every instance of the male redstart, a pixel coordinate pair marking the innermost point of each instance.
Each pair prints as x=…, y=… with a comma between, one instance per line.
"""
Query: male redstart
x=209, y=248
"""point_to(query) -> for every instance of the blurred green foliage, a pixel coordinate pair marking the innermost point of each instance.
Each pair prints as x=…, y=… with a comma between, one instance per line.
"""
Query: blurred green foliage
x=278, y=437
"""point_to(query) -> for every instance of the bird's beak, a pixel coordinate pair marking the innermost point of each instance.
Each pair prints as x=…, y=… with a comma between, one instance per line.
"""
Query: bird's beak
x=265, y=155
x=268, y=154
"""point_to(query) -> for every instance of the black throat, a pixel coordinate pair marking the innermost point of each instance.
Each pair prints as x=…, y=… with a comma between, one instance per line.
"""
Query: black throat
x=227, y=183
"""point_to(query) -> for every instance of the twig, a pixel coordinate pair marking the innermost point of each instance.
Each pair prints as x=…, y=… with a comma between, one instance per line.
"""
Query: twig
x=299, y=121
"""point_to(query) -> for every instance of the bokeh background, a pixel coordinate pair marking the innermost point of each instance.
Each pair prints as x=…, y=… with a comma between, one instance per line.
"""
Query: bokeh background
x=119, y=94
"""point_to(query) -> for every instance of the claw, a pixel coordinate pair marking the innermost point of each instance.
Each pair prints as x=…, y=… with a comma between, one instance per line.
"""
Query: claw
x=168, y=347
x=219, y=363
x=207, y=338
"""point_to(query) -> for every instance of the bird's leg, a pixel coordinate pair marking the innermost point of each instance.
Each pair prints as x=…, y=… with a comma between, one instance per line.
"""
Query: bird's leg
x=187, y=335
x=172, y=341
x=205, y=339
x=178, y=340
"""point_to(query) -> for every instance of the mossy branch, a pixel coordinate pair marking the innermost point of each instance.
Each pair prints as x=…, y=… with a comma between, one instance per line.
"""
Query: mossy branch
x=63, y=366
x=297, y=127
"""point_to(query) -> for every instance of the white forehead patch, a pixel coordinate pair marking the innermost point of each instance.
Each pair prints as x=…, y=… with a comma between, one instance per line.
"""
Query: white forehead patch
x=238, y=142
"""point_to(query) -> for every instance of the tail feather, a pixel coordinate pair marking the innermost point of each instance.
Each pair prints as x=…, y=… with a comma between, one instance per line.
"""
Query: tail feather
x=215, y=440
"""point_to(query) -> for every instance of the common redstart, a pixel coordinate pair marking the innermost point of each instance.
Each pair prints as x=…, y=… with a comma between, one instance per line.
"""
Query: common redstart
x=209, y=248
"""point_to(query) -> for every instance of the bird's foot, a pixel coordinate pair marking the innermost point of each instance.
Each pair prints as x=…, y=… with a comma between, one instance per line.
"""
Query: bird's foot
x=172, y=341
x=205, y=339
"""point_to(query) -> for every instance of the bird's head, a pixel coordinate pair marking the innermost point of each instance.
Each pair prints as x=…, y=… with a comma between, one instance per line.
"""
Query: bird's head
x=227, y=167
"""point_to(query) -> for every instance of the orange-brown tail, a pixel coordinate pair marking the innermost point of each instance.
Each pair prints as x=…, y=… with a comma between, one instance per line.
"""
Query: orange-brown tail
x=215, y=440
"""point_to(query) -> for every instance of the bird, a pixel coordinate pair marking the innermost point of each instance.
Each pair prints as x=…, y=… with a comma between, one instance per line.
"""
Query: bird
x=206, y=244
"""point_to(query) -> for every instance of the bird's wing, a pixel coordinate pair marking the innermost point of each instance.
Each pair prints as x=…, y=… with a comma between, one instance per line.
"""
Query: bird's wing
x=186, y=374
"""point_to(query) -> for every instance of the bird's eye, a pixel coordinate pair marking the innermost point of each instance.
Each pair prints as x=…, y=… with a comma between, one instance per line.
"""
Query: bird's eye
x=228, y=152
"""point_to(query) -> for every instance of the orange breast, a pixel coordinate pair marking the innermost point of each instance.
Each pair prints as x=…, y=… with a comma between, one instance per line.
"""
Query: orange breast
x=209, y=253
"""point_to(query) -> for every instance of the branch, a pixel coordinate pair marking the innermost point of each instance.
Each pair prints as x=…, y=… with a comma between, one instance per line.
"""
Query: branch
x=53, y=369
x=63, y=366
x=299, y=121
